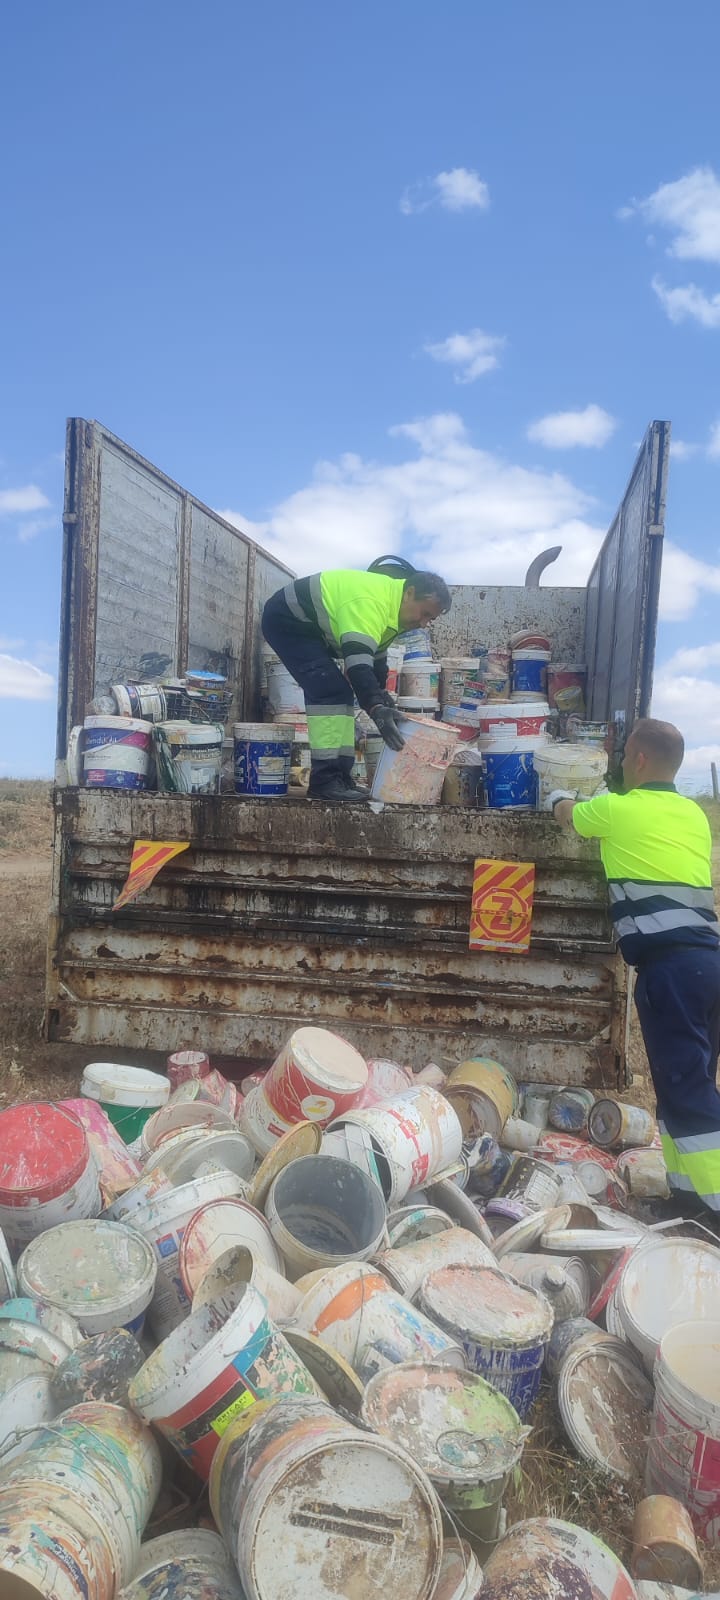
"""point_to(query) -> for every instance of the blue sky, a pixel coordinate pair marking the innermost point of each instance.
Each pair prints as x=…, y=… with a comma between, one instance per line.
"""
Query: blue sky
x=364, y=275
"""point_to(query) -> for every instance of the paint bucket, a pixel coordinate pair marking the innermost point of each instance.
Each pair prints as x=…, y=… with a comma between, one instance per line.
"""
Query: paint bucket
x=188, y=757
x=420, y=680
x=520, y=1136
x=406, y=1266
x=564, y=1281
x=484, y=1094
x=263, y=752
x=100, y=1369
x=644, y=1174
x=503, y=1327
x=102, y=1273
x=664, y=1543
x=529, y=674
x=614, y=1126
x=124, y=1208
x=684, y=1451
x=162, y=1223
x=54, y=1548
x=455, y=673
x=373, y=750
x=415, y=774
x=536, y=1107
x=8, y=1281
x=577, y=767
x=466, y=1436
x=214, y=1151
x=227, y=1355
x=283, y=692
x=107, y=1459
x=190, y=1564
x=648, y=1312
x=47, y=1173
x=415, y=644
x=117, y=1169
x=463, y=786
x=410, y=1224
x=323, y=1211
x=404, y=1143
x=240, y=1264
x=178, y=1117
x=316, y=1077
x=311, y=1507
x=568, y=1110
x=213, y=1229
x=144, y=700
x=460, y=1573
x=566, y=1336
x=261, y=1122
x=512, y=720
x=185, y=1066
x=533, y=1184
x=488, y=1163
x=116, y=752
x=355, y=1311
x=556, y=1559
x=605, y=1402
x=566, y=687
x=385, y=1080
x=412, y=705
x=510, y=781
x=128, y=1095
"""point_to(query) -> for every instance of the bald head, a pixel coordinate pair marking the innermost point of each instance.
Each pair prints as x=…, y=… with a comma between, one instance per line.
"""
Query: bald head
x=653, y=753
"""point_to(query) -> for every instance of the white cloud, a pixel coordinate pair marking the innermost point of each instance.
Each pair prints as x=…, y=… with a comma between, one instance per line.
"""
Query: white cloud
x=30, y=530
x=685, y=580
x=696, y=658
x=690, y=209
x=472, y=353
x=688, y=301
x=467, y=511
x=29, y=498
x=713, y=447
x=564, y=430
x=460, y=189
x=21, y=680
x=681, y=694
x=683, y=450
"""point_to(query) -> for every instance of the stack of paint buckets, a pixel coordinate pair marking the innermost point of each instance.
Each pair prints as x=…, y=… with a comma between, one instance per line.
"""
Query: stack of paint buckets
x=419, y=677
x=508, y=736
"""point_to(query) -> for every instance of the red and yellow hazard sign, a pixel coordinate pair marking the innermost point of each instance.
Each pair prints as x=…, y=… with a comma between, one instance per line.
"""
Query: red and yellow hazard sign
x=502, y=905
x=148, y=856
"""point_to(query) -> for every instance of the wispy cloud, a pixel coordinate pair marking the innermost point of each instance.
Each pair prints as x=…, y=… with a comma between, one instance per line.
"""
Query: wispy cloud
x=689, y=209
x=36, y=525
x=688, y=303
x=22, y=680
x=685, y=580
x=17, y=501
x=683, y=449
x=569, y=430
x=460, y=189
x=472, y=354
x=713, y=447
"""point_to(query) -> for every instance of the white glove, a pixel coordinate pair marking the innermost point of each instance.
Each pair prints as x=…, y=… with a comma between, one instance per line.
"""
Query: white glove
x=558, y=794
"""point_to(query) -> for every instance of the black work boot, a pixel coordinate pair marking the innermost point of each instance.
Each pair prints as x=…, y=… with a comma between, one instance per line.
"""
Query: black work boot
x=338, y=788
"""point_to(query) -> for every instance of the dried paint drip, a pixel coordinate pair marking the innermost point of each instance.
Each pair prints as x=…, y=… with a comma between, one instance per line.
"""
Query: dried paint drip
x=502, y=1326
x=548, y=1560
x=356, y=1311
x=102, y=1273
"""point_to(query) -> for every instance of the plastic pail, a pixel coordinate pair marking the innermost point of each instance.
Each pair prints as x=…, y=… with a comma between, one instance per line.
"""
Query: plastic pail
x=510, y=780
x=510, y=719
x=503, y=1327
x=163, y=1223
x=116, y=752
x=263, y=752
x=415, y=774
x=529, y=674
x=648, y=1311
x=47, y=1172
x=53, y=1546
x=190, y=1564
x=241, y=1264
x=406, y=1265
x=560, y=1560
x=323, y=1211
x=188, y=756
x=579, y=767
x=358, y=1314
x=684, y=1453
x=145, y=700
x=316, y=1077
x=283, y=692
x=213, y=1229
x=405, y=1142
x=420, y=680
x=455, y=673
x=102, y=1273
x=128, y=1095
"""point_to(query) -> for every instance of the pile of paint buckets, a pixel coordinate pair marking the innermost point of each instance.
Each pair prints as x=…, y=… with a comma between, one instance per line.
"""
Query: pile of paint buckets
x=333, y=1294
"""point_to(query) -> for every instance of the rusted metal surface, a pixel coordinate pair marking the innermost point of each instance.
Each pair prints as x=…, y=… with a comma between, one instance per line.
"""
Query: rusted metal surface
x=489, y=615
x=288, y=912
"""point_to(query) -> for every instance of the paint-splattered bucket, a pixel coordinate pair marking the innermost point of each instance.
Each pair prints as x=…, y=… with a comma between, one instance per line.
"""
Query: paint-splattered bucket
x=407, y=1265
x=102, y=1273
x=191, y=1564
x=323, y=1211
x=569, y=1108
x=188, y=756
x=510, y=777
x=187, y=1066
x=614, y=1126
x=316, y=1077
x=605, y=1402
x=213, y=1229
x=100, y=1369
x=532, y=1184
x=215, y=1151
x=405, y=1143
x=565, y=1337
x=180, y=1117
x=213, y=1368
x=313, y=1508
x=595, y=1168
x=116, y=752
x=128, y=1095
x=560, y=1560
x=163, y=1223
x=52, y=1548
x=664, y=1544
x=484, y=1095
x=410, y=1224
x=47, y=1173
x=684, y=1451
x=644, y=1173
x=415, y=774
x=260, y=1121
x=648, y=1312
x=356, y=1311
x=263, y=752
x=464, y=1434
x=503, y=1327
x=239, y=1265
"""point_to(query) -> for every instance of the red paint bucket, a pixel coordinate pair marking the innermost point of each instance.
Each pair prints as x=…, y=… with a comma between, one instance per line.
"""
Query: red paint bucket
x=317, y=1076
x=47, y=1172
x=187, y=1065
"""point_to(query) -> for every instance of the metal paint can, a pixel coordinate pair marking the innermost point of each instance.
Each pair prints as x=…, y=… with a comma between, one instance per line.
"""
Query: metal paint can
x=406, y=1266
x=357, y=1312
x=645, y=1174
x=664, y=1543
x=568, y=1110
x=614, y=1126
x=565, y=1561
x=502, y=1326
x=564, y=1280
x=405, y=1143
x=531, y=1183
x=484, y=1095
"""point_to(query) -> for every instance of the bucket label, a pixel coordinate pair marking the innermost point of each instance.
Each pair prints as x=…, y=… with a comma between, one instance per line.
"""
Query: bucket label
x=241, y=1403
x=317, y=1107
x=502, y=905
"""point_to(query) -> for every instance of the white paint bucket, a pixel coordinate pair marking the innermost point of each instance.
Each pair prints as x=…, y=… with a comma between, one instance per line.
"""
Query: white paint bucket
x=107, y=1459
x=187, y=1066
x=316, y=1077
x=374, y=747
x=163, y=1223
x=213, y=1229
x=644, y=1173
x=54, y=1548
x=283, y=692
x=407, y=1265
x=502, y=1327
x=314, y=1509
x=213, y=1368
x=561, y=1560
x=514, y=720
x=420, y=680
x=455, y=673
x=102, y=1273
x=356, y=1311
x=605, y=1403
x=385, y=1080
x=261, y=1122
x=116, y=752
x=520, y=1135
x=188, y=756
x=190, y=1564
x=415, y=774
x=128, y=1095
x=323, y=1211
x=664, y=1283
x=406, y=1142
x=47, y=1172
x=176, y=1118
x=579, y=767
x=684, y=1452
x=213, y=1151
x=409, y=1224
x=240, y=1264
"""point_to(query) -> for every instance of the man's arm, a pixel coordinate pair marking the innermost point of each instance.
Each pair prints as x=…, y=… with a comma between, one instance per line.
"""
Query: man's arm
x=592, y=819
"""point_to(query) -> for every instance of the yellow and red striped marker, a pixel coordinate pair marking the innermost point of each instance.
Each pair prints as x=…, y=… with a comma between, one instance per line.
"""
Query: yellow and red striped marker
x=502, y=905
x=148, y=856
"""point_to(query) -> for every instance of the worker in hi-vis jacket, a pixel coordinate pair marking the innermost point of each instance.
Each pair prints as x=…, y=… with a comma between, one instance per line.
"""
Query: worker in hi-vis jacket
x=655, y=846
x=332, y=631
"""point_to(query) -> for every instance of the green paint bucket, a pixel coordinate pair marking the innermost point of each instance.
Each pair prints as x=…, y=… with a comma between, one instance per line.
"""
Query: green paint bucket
x=129, y=1095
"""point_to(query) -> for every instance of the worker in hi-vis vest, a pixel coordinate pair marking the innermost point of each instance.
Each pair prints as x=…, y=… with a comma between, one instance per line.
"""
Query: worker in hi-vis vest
x=655, y=847
x=332, y=631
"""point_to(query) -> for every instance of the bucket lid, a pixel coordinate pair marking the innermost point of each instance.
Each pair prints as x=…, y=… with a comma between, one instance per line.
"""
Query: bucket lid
x=331, y=1371
x=604, y=1401
x=43, y=1152
x=304, y=1139
x=666, y=1282
x=511, y=710
x=128, y=1086
x=87, y=1268
x=530, y=653
x=454, y=1424
x=409, y=702
x=484, y=1303
x=120, y=724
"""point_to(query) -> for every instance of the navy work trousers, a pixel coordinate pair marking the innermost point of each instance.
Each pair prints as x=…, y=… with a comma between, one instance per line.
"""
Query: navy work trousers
x=678, y=1003
x=328, y=695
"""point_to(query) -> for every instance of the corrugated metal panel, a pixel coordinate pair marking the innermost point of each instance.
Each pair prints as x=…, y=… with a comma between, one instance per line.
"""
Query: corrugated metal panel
x=284, y=912
x=490, y=616
x=138, y=573
x=218, y=599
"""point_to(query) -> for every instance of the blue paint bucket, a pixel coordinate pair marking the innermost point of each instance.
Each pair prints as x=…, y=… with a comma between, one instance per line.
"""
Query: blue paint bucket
x=503, y=1327
x=510, y=778
x=529, y=673
x=262, y=758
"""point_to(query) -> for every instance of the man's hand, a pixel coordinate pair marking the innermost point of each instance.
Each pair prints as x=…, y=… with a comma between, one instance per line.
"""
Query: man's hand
x=560, y=803
x=385, y=721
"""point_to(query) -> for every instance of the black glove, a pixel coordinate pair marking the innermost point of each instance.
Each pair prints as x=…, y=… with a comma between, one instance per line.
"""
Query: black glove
x=385, y=721
x=385, y=699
